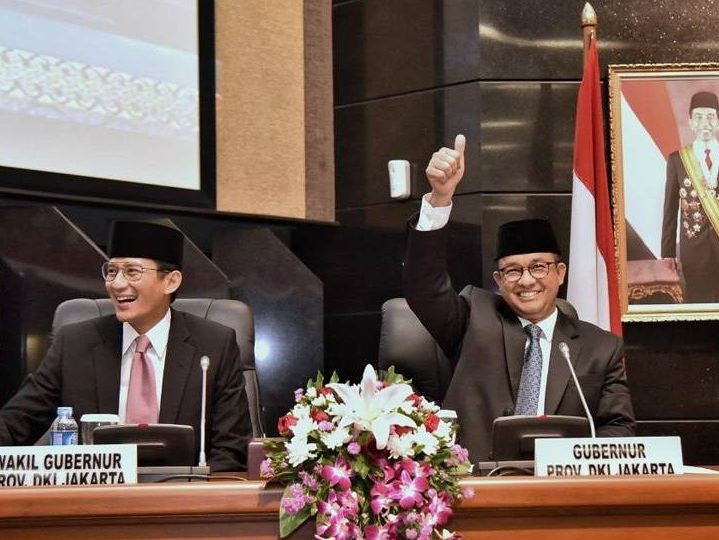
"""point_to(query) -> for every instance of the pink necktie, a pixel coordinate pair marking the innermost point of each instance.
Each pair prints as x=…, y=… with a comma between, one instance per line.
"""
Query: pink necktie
x=708, y=159
x=142, y=394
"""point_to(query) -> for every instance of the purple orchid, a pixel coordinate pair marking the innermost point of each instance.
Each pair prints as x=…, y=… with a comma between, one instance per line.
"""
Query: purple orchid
x=381, y=498
x=439, y=509
x=339, y=474
x=375, y=532
x=408, y=491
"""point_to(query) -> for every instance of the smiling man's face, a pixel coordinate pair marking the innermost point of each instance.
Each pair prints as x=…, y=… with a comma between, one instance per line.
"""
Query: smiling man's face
x=144, y=302
x=703, y=122
x=531, y=298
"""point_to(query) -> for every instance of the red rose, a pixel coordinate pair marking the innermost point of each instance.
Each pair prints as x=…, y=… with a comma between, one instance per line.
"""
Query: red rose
x=319, y=415
x=402, y=430
x=416, y=399
x=431, y=422
x=285, y=423
x=325, y=391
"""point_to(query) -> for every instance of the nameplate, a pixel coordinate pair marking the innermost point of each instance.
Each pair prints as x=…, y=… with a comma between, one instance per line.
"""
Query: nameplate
x=608, y=456
x=105, y=464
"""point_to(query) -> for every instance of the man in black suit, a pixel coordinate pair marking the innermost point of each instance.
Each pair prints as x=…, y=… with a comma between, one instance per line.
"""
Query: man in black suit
x=691, y=195
x=97, y=366
x=505, y=349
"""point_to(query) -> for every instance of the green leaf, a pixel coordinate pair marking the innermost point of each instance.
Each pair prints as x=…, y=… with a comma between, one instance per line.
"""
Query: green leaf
x=275, y=444
x=290, y=522
x=392, y=377
x=334, y=378
x=360, y=465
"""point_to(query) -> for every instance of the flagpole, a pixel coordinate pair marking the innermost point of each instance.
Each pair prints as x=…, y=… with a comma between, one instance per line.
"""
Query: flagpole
x=592, y=282
x=589, y=27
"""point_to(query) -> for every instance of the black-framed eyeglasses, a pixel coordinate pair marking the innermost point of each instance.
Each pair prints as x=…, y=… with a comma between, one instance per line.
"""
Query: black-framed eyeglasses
x=537, y=270
x=131, y=272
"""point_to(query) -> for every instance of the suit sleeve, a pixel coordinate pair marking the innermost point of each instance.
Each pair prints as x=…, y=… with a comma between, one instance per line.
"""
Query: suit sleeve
x=29, y=413
x=428, y=288
x=671, y=208
x=615, y=415
x=230, y=416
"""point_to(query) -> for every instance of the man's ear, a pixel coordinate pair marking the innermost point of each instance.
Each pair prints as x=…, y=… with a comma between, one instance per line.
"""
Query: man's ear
x=561, y=271
x=173, y=280
x=497, y=278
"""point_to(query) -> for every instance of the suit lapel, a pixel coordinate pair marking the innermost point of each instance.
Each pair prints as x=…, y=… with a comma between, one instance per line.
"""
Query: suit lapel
x=559, y=374
x=178, y=361
x=107, y=356
x=515, y=340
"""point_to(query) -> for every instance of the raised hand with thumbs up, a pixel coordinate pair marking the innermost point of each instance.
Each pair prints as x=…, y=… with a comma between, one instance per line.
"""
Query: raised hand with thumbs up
x=444, y=172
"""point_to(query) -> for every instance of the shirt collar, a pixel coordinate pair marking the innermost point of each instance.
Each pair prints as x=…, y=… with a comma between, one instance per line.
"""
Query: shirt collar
x=158, y=335
x=547, y=325
x=700, y=146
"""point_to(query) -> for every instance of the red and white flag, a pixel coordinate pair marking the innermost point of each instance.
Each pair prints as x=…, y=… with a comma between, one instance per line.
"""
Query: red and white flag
x=593, y=287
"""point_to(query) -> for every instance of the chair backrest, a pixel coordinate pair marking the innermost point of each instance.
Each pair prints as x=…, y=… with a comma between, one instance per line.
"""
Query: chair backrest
x=231, y=313
x=407, y=345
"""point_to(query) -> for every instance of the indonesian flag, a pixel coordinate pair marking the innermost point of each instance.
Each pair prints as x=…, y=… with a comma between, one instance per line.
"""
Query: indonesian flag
x=592, y=288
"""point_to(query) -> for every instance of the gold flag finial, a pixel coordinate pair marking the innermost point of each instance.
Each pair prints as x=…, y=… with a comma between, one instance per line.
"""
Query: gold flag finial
x=589, y=27
x=589, y=16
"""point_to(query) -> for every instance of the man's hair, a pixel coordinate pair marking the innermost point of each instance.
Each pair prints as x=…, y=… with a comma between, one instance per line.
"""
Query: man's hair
x=167, y=268
x=704, y=99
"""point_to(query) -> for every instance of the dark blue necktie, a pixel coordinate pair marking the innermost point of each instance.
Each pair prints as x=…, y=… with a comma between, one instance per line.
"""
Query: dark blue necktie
x=528, y=395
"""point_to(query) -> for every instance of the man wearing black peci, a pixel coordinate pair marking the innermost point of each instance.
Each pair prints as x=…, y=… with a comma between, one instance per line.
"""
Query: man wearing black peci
x=504, y=349
x=691, y=201
x=143, y=363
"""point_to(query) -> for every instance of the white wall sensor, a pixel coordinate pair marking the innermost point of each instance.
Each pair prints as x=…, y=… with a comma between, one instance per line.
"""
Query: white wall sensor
x=399, y=179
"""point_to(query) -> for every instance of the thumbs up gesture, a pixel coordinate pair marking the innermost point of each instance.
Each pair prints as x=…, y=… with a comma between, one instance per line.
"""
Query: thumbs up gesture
x=444, y=172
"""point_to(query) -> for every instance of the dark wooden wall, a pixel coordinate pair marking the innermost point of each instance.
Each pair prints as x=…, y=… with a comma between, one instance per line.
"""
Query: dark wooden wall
x=408, y=76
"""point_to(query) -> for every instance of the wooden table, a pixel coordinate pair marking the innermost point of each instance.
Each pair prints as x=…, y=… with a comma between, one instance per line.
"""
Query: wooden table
x=685, y=507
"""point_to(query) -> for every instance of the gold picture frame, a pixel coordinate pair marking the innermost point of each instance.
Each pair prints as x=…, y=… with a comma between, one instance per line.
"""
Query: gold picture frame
x=665, y=196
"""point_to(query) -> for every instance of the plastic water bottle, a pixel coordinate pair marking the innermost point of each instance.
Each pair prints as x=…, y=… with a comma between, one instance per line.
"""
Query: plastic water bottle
x=64, y=429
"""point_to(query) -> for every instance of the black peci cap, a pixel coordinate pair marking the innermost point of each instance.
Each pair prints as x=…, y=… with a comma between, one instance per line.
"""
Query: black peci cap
x=146, y=240
x=526, y=236
x=704, y=99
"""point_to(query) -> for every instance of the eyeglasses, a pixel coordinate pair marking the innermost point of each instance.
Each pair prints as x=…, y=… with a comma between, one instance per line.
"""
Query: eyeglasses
x=537, y=270
x=131, y=272
x=710, y=118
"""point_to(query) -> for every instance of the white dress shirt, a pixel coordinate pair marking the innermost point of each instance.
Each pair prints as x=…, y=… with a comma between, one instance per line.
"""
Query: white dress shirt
x=432, y=217
x=158, y=336
x=700, y=148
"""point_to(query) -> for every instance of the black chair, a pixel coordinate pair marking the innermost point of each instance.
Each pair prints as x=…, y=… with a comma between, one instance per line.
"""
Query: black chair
x=231, y=313
x=407, y=345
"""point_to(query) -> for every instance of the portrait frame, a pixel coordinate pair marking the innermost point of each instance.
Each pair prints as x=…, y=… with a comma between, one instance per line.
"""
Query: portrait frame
x=663, y=234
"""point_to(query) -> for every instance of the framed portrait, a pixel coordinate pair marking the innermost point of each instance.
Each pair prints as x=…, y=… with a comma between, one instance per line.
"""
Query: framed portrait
x=664, y=130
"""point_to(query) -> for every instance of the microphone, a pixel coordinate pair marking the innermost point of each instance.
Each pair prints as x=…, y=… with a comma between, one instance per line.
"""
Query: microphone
x=204, y=364
x=564, y=349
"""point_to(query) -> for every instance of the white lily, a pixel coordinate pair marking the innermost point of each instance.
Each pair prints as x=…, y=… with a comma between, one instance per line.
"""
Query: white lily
x=374, y=410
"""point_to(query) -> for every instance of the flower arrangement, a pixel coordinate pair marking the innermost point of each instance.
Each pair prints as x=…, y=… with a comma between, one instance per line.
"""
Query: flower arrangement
x=370, y=461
